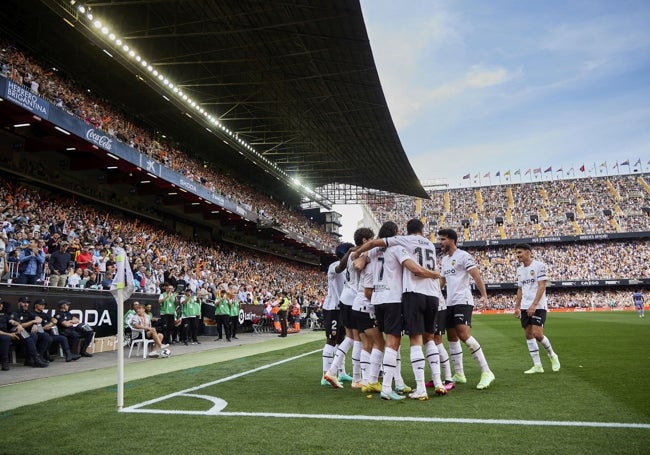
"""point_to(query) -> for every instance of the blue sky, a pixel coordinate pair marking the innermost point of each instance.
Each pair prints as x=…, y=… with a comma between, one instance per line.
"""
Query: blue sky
x=487, y=86
x=478, y=87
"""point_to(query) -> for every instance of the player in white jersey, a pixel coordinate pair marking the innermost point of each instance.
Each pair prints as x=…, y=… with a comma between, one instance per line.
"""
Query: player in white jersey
x=333, y=334
x=457, y=267
x=419, y=302
x=386, y=301
x=531, y=305
x=352, y=338
x=363, y=316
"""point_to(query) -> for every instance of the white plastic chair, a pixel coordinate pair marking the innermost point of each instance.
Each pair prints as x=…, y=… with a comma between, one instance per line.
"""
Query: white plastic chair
x=138, y=338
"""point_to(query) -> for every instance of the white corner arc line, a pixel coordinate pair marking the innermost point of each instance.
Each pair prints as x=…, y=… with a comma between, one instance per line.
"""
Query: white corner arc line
x=137, y=408
x=218, y=381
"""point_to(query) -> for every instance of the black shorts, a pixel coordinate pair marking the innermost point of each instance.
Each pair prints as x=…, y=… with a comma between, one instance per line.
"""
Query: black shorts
x=539, y=318
x=459, y=315
x=345, y=316
x=419, y=312
x=363, y=320
x=331, y=319
x=440, y=326
x=389, y=318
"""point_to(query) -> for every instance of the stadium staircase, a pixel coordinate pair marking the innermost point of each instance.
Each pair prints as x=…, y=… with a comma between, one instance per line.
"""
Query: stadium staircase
x=644, y=184
x=479, y=201
x=576, y=228
x=511, y=199
x=612, y=190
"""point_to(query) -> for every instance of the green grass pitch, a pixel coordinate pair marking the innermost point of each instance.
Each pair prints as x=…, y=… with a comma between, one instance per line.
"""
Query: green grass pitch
x=598, y=403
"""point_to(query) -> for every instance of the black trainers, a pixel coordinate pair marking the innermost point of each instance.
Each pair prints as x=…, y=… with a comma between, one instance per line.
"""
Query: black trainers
x=38, y=363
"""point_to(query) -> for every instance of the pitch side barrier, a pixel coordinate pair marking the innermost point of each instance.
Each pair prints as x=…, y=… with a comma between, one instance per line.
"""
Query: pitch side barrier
x=99, y=308
x=557, y=239
x=564, y=284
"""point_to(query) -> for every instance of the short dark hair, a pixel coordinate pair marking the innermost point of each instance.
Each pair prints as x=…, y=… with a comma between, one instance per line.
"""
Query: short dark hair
x=362, y=233
x=449, y=233
x=414, y=226
x=523, y=246
x=388, y=229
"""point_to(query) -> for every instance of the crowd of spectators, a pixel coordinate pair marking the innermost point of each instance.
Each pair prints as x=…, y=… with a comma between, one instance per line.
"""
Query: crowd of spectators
x=156, y=256
x=597, y=205
x=64, y=93
x=584, y=299
x=601, y=260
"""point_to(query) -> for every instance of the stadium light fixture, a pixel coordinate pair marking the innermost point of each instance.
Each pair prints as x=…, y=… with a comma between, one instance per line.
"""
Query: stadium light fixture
x=106, y=33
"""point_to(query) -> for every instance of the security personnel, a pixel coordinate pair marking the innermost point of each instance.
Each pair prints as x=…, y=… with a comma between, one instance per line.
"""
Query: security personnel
x=234, y=317
x=67, y=325
x=10, y=327
x=49, y=325
x=32, y=323
x=282, y=313
x=167, y=301
x=191, y=313
x=222, y=315
x=5, y=336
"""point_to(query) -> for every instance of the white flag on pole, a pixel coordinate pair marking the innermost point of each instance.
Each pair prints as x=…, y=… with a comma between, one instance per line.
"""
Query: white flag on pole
x=123, y=279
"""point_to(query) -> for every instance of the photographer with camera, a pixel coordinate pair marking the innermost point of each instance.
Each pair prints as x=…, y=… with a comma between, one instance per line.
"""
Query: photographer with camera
x=30, y=263
x=69, y=326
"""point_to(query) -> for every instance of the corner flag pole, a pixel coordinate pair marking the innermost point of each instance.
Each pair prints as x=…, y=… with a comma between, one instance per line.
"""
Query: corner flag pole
x=121, y=288
x=120, y=350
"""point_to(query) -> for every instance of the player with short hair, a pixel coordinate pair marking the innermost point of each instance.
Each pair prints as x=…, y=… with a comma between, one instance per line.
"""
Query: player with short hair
x=334, y=333
x=386, y=299
x=352, y=338
x=419, y=303
x=457, y=268
x=531, y=305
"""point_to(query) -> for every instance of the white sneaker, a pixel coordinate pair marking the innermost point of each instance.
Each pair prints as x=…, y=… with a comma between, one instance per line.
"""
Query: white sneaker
x=154, y=355
x=421, y=396
x=535, y=369
x=555, y=362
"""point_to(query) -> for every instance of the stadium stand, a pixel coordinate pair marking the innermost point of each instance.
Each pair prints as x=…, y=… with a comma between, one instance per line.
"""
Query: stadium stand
x=585, y=229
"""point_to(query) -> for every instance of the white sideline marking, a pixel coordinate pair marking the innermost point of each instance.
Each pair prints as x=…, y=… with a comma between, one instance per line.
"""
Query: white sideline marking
x=219, y=404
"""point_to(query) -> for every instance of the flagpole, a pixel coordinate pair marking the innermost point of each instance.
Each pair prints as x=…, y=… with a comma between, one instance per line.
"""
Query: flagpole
x=120, y=349
x=121, y=289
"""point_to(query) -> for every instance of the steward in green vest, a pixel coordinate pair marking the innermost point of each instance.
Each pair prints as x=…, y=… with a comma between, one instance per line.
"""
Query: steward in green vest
x=234, y=318
x=222, y=315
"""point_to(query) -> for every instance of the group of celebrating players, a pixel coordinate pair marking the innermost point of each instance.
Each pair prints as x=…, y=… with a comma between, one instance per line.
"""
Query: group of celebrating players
x=383, y=287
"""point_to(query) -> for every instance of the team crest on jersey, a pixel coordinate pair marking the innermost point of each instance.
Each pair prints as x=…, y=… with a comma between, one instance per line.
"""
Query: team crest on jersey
x=453, y=263
x=532, y=273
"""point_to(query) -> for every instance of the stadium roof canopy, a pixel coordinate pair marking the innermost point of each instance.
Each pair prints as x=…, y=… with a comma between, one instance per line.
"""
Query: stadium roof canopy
x=294, y=82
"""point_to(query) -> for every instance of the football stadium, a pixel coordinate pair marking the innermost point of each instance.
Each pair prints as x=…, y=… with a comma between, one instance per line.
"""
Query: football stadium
x=175, y=277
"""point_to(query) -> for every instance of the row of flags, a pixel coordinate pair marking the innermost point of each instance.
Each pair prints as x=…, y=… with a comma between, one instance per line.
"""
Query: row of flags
x=538, y=170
